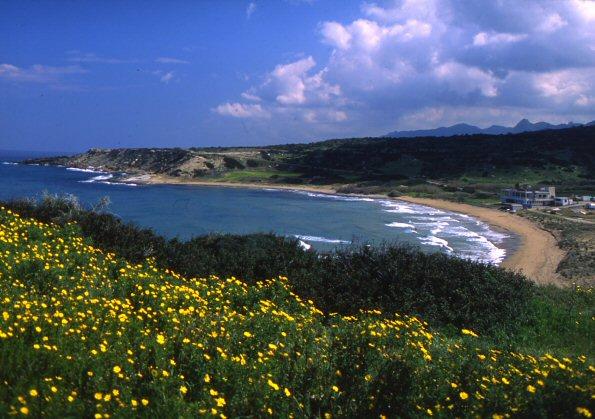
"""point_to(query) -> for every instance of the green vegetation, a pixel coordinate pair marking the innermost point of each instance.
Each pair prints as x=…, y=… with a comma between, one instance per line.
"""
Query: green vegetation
x=85, y=332
x=261, y=175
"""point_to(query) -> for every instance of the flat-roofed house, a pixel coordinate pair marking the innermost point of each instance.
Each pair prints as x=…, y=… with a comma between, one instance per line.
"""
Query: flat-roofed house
x=563, y=200
x=529, y=197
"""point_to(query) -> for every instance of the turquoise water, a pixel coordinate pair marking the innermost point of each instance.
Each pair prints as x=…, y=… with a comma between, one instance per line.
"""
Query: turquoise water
x=318, y=220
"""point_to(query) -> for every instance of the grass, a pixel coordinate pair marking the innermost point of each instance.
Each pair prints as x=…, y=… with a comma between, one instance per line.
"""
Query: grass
x=256, y=175
x=84, y=332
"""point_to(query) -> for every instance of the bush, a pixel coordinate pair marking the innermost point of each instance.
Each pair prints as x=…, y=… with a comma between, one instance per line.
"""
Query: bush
x=441, y=289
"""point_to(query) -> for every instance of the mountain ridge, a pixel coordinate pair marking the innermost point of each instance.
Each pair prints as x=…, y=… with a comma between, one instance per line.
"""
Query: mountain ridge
x=524, y=125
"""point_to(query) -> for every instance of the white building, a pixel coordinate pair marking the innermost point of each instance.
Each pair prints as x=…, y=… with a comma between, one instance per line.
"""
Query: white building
x=561, y=201
x=529, y=197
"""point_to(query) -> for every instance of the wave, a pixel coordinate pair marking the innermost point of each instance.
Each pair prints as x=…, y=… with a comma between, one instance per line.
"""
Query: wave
x=320, y=239
x=331, y=196
x=105, y=180
x=408, y=208
x=397, y=208
x=88, y=170
x=489, y=254
x=97, y=179
x=119, y=183
x=400, y=225
x=436, y=241
x=427, y=219
x=483, y=248
x=10, y=163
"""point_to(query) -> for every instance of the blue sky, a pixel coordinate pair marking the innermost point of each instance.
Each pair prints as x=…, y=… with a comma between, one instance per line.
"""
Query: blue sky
x=81, y=74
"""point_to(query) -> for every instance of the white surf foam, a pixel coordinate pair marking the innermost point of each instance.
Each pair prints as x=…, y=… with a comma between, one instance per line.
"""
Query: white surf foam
x=436, y=241
x=9, y=163
x=119, y=183
x=483, y=249
x=320, y=239
x=400, y=225
x=99, y=179
x=335, y=197
x=88, y=170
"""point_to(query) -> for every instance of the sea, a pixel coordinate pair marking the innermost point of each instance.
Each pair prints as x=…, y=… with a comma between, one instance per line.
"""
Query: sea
x=319, y=221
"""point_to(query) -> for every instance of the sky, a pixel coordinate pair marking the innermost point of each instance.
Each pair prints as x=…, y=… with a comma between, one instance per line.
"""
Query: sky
x=81, y=74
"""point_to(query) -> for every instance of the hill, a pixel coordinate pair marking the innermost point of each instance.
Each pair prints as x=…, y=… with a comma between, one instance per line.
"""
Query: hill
x=562, y=157
x=524, y=125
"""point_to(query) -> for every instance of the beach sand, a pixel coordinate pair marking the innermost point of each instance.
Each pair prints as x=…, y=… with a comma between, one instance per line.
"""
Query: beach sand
x=537, y=257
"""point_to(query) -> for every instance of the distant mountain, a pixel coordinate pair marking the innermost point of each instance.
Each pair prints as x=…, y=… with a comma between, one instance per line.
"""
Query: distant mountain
x=524, y=125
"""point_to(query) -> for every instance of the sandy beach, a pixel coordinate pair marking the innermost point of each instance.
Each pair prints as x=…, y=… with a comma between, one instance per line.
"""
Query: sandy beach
x=537, y=257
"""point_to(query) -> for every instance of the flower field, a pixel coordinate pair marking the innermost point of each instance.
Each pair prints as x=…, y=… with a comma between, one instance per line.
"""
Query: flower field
x=84, y=333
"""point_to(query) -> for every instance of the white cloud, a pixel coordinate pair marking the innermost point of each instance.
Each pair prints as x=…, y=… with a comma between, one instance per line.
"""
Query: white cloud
x=239, y=110
x=585, y=8
x=167, y=77
x=584, y=100
x=464, y=79
x=250, y=9
x=336, y=35
x=170, y=60
x=552, y=23
x=292, y=84
x=251, y=96
x=369, y=35
x=565, y=85
x=37, y=73
x=484, y=38
x=289, y=80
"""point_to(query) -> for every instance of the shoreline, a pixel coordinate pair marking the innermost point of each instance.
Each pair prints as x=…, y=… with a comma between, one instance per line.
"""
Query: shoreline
x=537, y=256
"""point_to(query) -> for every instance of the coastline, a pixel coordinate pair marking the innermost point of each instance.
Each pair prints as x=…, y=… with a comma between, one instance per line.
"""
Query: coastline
x=537, y=256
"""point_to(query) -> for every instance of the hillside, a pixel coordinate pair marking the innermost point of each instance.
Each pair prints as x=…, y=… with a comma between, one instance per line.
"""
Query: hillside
x=477, y=165
x=84, y=332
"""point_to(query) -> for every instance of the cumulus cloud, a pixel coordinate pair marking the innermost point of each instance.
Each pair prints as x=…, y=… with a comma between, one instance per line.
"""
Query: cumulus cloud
x=431, y=62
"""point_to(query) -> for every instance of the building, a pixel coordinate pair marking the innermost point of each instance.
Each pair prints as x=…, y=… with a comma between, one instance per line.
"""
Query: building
x=561, y=201
x=529, y=197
